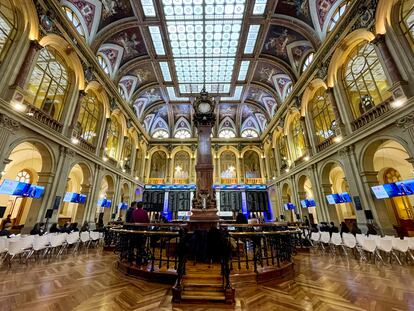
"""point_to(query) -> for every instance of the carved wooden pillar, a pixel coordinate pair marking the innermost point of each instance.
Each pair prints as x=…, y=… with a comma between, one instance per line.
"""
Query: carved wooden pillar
x=399, y=86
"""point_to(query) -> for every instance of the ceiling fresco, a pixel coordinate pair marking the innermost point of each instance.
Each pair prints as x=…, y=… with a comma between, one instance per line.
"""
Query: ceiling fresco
x=159, y=63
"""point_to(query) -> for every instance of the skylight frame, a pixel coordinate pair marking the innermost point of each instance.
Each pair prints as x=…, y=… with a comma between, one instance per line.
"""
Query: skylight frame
x=148, y=8
x=244, y=68
x=156, y=38
x=259, y=7
x=165, y=70
x=203, y=31
x=251, y=38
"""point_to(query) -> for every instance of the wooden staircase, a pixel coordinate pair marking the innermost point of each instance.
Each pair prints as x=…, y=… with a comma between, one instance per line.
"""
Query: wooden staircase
x=203, y=283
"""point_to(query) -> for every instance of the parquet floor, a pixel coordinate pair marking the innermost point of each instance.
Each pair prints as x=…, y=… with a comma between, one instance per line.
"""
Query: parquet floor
x=90, y=282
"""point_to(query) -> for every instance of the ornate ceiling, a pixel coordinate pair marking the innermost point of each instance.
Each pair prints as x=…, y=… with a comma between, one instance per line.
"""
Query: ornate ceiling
x=160, y=53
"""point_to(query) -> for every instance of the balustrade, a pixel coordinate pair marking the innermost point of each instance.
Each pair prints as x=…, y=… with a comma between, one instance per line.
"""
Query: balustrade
x=229, y=181
x=44, y=118
x=325, y=144
x=156, y=181
x=371, y=115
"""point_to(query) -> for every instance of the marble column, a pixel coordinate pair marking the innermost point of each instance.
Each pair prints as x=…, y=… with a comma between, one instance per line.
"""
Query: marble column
x=81, y=210
x=399, y=87
x=105, y=136
x=170, y=170
x=17, y=89
x=321, y=208
x=263, y=171
x=331, y=209
x=96, y=187
x=73, y=125
x=335, y=109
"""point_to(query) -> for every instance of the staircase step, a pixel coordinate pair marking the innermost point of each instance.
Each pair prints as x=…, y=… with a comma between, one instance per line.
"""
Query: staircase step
x=202, y=287
x=202, y=295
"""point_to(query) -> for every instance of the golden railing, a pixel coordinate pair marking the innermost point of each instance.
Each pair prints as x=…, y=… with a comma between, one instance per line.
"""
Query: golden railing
x=180, y=181
x=228, y=181
x=253, y=181
x=156, y=181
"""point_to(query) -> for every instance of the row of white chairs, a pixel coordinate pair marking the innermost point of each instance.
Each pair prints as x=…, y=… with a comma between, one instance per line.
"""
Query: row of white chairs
x=24, y=246
x=373, y=244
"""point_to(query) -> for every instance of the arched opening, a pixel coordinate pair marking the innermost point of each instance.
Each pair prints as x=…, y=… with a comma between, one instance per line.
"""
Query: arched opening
x=306, y=193
x=251, y=167
x=90, y=118
x=78, y=182
x=106, y=192
x=8, y=29
x=390, y=161
x=296, y=138
x=287, y=197
x=126, y=154
x=48, y=84
x=139, y=159
x=339, y=184
x=181, y=167
x=283, y=152
x=158, y=167
x=271, y=162
x=31, y=163
x=125, y=199
x=364, y=79
x=228, y=168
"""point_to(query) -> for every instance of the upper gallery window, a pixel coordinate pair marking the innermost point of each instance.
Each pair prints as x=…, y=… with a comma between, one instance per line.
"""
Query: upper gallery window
x=340, y=11
x=74, y=19
x=407, y=19
x=89, y=118
x=249, y=133
x=307, y=62
x=322, y=116
x=104, y=65
x=297, y=139
x=7, y=27
x=24, y=176
x=364, y=79
x=48, y=83
x=182, y=134
x=160, y=134
x=114, y=133
x=227, y=134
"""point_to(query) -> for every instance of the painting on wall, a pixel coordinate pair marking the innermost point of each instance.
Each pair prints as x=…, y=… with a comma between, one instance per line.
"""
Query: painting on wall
x=113, y=10
x=296, y=8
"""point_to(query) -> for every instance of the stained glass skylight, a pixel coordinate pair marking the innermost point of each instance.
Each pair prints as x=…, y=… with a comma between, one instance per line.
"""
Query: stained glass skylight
x=148, y=8
x=204, y=36
x=251, y=39
x=157, y=39
x=244, y=67
x=237, y=94
x=165, y=70
x=259, y=7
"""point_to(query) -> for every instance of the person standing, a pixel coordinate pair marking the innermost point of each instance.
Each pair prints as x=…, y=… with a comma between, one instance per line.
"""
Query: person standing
x=139, y=215
x=128, y=216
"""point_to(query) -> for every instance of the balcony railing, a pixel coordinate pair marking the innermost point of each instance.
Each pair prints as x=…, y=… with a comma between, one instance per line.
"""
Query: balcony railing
x=325, y=144
x=181, y=181
x=253, y=181
x=85, y=145
x=43, y=118
x=228, y=181
x=371, y=115
x=156, y=181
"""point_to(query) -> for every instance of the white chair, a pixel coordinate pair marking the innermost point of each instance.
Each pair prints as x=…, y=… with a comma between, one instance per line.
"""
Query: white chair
x=359, y=238
x=85, y=238
x=349, y=241
x=94, y=237
x=4, y=244
x=40, y=243
x=384, y=245
x=369, y=246
x=401, y=246
x=15, y=247
x=336, y=241
x=325, y=239
x=315, y=237
x=73, y=240
x=56, y=242
x=410, y=246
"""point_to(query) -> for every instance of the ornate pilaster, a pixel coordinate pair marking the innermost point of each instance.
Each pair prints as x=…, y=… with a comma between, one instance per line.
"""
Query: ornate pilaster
x=8, y=127
x=335, y=109
x=406, y=123
x=105, y=136
x=73, y=128
x=306, y=135
x=399, y=86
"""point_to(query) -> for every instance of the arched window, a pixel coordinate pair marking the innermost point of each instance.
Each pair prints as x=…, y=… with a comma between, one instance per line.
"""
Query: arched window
x=322, y=116
x=181, y=164
x=407, y=20
x=251, y=164
x=158, y=165
x=283, y=151
x=271, y=162
x=228, y=165
x=73, y=18
x=297, y=139
x=160, y=134
x=24, y=176
x=339, y=12
x=364, y=79
x=104, y=65
x=48, y=83
x=7, y=27
x=89, y=118
x=122, y=92
x=307, y=62
x=227, y=133
x=182, y=134
x=114, y=133
x=127, y=152
x=249, y=133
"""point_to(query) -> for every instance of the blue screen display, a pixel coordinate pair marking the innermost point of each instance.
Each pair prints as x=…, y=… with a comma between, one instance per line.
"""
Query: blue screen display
x=289, y=206
x=307, y=203
x=82, y=199
x=21, y=189
x=398, y=189
x=339, y=198
x=35, y=192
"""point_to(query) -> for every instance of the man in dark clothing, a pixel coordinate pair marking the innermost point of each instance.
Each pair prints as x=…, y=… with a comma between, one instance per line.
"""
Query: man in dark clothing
x=128, y=216
x=241, y=219
x=139, y=215
x=333, y=228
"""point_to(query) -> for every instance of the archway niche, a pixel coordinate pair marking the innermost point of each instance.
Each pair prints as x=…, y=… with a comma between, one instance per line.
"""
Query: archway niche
x=287, y=197
x=106, y=191
x=306, y=192
x=181, y=167
x=387, y=160
x=251, y=167
x=125, y=198
x=158, y=167
x=228, y=168
x=36, y=170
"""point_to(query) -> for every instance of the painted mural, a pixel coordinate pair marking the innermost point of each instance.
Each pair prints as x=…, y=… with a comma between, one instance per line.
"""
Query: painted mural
x=132, y=43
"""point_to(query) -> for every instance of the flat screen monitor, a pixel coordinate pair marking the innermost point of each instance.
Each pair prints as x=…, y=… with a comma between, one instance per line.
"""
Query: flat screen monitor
x=13, y=187
x=289, y=206
x=330, y=198
x=82, y=198
x=380, y=192
x=21, y=189
x=339, y=198
x=108, y=203
x=122, y=205
x=307, y=203
x=34, y=192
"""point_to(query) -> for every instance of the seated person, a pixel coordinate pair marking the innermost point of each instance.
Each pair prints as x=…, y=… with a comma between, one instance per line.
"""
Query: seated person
x=54, y=228
x=38, y=229
x=139, y=215
x=6, y=229
x=241, y=219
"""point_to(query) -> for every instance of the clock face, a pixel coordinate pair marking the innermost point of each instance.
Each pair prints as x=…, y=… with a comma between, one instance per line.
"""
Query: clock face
x=204, y=107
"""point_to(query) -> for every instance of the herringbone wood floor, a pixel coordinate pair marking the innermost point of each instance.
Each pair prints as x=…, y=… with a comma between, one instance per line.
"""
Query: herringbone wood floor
x=90, y=282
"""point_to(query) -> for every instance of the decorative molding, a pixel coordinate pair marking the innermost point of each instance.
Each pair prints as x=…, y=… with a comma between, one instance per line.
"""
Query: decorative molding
x=9, y=123
x=406, y=122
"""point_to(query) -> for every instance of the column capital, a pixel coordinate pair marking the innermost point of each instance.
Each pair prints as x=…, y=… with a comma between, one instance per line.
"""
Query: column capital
x=9, y=123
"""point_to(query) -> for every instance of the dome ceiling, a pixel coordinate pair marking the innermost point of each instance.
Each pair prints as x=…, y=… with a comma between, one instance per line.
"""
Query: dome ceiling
x=161, y=52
